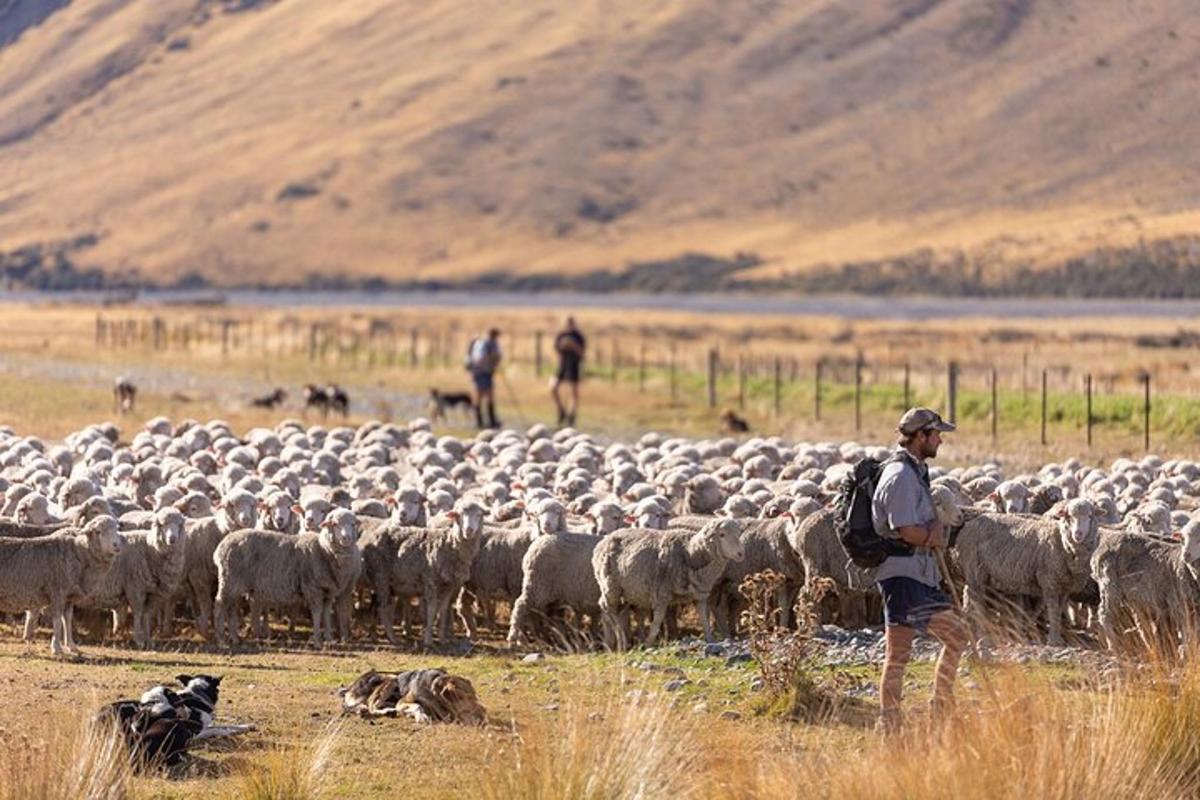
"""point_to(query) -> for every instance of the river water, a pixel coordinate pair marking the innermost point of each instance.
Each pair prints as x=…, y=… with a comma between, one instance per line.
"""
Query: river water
x=847, y=306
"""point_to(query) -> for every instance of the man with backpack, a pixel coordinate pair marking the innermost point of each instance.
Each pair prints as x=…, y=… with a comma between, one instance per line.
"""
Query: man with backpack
x=483, y=359
x=569, y=344
x=903, y=517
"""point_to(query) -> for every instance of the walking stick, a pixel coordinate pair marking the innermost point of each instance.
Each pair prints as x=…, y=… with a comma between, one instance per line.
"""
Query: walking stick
x=513, y=396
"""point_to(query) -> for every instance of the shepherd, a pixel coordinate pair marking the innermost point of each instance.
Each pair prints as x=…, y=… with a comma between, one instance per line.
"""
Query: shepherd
x=570, y=345
x=902, y=512
x=483, y=359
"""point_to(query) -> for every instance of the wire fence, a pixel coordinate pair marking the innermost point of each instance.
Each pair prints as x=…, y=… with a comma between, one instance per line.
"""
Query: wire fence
x=846, y=389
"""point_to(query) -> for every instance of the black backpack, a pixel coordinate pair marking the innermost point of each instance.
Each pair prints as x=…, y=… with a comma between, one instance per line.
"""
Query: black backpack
x=852, y=520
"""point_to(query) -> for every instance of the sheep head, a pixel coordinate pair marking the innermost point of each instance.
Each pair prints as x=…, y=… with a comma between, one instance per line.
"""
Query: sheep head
x=704, y=494
x=467, y=516
x=240, y=510
x=195, y=505
x=92, y=508
x=33, y=509
x=722, y=539
x=606, y=517
x=648, y=514
x=406, y=506
x=102, y=538
x=550, y=517
x=315, y=510
x=1190, y=551
x=76, y=491
x=277, y=511
x=339, y=530
x=946, y=507
x=1078, y=526
x=167, y=528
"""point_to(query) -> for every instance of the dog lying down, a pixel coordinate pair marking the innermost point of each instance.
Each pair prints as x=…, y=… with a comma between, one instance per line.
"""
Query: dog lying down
x=425, y=695
x=159, y=727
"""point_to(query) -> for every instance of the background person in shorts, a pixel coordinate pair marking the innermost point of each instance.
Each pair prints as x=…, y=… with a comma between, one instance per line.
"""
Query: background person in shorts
x=483, y=359
x=570, y=345
x=902, y=512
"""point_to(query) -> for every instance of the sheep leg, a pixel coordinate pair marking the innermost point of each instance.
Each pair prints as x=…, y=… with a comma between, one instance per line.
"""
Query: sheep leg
x=315, y=608
x=431, y=609
x=1053, y=609
x=387, y=612
x=656, y=623
x=344, y=606
x=705, y=623
x=69, y=629
x=444, y=600
x=466, y=613
x=57, y=624
x=137, y=610
x=31, y=621
x=785, y=597
x=327, y=604
x=518, y=619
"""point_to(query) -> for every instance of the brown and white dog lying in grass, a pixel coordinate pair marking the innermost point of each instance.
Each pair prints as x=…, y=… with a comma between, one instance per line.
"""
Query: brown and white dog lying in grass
x=425, y=695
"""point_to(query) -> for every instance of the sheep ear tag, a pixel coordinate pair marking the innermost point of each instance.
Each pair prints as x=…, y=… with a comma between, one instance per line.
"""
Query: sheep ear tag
x=452, y=514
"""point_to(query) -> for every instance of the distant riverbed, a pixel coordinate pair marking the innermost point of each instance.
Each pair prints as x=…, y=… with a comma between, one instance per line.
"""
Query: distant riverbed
x=846, y=306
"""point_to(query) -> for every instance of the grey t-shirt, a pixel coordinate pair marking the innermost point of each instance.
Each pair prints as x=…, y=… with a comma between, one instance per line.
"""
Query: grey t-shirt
x=902, y=499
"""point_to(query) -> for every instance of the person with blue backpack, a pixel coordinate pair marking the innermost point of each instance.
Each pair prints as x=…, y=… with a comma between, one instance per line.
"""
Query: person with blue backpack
x=483, y=359
x=903, y=518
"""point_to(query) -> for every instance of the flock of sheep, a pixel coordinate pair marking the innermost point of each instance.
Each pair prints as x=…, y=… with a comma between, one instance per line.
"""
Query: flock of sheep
x=582, y=542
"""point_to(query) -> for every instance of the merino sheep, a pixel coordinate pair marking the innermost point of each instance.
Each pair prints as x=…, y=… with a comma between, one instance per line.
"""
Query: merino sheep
x=279, y=569
x=497, y=572
x=1151, y=582
x=431, y=563
x=654, y=570
x=557, y=572
x=238, y=511
x=148, y=570
x=56, y=571
x=1044, y=559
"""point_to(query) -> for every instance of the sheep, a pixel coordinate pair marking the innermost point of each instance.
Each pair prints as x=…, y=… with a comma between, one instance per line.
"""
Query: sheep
x=654, y=570
x=1156, y=582
x=1044, y=559
x=497, y=571
x=148, y=570
x=56, y=571
x=280, y=569
x=431, y=563
x=277, y=512
x=237, y=512
x=815, y=541
x=556, y=572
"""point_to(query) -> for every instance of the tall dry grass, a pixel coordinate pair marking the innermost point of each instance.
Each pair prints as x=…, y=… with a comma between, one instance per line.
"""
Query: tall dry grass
x=65, y=758
x=299, y=772
x=1137, y=736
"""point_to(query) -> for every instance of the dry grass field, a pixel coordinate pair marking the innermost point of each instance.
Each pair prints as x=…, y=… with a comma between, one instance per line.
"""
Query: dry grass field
x=266, y=141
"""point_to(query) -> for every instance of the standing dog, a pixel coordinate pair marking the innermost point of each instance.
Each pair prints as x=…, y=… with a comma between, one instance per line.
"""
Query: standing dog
x=441, y=402
x=124, y=395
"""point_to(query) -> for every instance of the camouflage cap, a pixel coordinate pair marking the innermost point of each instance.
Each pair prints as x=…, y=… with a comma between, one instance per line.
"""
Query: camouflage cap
x=919, y=419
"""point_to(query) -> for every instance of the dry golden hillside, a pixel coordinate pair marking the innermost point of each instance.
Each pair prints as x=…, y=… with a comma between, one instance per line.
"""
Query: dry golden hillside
x=266, y=142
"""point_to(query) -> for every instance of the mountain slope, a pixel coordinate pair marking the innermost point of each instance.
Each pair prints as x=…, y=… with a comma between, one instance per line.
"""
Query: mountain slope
x=264, y=142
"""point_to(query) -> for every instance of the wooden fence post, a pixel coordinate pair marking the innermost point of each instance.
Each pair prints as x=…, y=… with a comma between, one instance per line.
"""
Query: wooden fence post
x=995, y=407
x=952, y=392
x=537, y=353
x=1146, y=408
x=817, y=390
x=858, y=392
x=674, y=391
x=642, y=366
x=741, y=383
x=907, y=392
x=712, y=377
x=1088, y=385
x=616, y=363
x=778, y=383
x=1043, y=408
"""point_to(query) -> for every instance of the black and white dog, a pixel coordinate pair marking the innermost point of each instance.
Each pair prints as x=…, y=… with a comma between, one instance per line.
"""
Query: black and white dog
x=159, y=727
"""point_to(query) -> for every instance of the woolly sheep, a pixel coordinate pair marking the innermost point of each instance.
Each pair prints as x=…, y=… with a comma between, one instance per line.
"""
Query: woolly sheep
x=55, y=572
x=279, y=569
x=654, y=570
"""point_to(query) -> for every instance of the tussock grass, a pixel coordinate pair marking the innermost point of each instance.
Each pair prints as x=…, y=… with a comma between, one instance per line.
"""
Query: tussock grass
x=63, y=758
x=292, y=773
